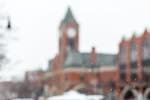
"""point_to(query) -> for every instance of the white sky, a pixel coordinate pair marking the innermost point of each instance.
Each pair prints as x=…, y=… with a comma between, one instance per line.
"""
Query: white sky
x=102, y=24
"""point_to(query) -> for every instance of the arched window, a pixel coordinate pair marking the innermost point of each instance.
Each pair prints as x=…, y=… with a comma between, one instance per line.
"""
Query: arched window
x=122, y=76
x=129, y=95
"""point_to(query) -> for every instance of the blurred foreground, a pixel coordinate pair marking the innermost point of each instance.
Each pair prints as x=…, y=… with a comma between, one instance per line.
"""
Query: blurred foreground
x=87, y=76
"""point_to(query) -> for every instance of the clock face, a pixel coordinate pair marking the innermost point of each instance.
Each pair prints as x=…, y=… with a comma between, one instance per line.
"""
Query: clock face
x=71, y=32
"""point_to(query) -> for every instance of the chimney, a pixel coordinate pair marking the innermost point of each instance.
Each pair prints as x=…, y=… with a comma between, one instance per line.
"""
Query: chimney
x=93, y=56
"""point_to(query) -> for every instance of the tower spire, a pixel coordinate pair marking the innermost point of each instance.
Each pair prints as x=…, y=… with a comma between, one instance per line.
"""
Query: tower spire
x=69, y=17
x=69, y=33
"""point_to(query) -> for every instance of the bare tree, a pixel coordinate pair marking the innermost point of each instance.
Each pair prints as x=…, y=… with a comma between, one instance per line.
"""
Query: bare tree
x=5, y=27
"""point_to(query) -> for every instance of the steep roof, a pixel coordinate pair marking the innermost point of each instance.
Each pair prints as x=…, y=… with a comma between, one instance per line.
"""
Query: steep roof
x=69, y=16
x=75, y=59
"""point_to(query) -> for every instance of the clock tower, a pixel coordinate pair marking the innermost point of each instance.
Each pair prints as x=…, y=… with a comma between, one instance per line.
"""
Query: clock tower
x=69, y=34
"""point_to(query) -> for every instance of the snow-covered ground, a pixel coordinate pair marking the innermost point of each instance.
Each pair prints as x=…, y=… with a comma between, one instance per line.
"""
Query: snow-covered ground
x=23, y=99
x=74, y=95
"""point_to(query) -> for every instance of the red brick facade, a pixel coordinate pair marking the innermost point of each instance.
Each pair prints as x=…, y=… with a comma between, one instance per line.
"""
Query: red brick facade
x=128, y=77
x=132, y=70
x=63, y=79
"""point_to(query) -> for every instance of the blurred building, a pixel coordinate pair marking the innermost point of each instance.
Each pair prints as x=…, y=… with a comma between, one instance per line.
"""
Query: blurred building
x=125, y=75
x=34, y=83
x=7, y=90
x=74, y=69
x=134, y=65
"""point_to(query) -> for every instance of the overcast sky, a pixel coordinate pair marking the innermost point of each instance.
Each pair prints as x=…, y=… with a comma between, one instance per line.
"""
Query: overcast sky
x=102, y=24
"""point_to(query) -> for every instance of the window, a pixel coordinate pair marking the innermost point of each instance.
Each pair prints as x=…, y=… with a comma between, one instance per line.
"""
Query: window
x=146, y=50
x=122, y=55
x=122, y=58
x=122, y=76
x=133, y=52
x=133, y=76
x=146, y=77
x=71, y=43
